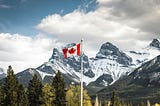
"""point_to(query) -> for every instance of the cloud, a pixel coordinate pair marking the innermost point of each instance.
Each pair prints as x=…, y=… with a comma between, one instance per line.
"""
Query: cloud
x=120, y=22
x=23, y=52
x=142, y=14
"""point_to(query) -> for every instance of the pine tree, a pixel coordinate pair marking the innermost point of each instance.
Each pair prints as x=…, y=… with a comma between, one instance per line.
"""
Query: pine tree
x=115, y=100
x=129, y=104
x=34, y=91
x=1, y=97
x=22, y=96
x=142, y=104
x=104, y=103
x=123, y=103
x=73, y=96
x=48, y=95
x=11, y=89
x=60, y=93
x=86, y=98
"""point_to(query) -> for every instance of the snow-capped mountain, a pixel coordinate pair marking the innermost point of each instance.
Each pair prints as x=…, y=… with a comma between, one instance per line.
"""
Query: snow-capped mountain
x=148, y=74
x=145, y=54
x=109, y=51
x=140, y=85
x=112, y=62
x=155, y=43
x=109, y=64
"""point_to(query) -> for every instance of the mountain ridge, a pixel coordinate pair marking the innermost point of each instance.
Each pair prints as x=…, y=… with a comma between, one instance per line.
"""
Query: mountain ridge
x=109, y=64
x=140, y=85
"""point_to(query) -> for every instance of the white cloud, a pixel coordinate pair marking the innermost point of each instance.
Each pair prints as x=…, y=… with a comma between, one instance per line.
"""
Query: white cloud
x=23, y=52
x=142, y=14
x=102, y=25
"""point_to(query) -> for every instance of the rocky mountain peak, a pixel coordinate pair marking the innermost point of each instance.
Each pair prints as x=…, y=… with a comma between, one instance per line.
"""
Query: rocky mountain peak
x=108, y=50
x=55, y=55
x=108, y=66
x=73, y=61
x=155, y=43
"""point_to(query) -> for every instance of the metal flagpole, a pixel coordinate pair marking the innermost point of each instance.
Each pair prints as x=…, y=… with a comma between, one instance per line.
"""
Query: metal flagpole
x=81, y=73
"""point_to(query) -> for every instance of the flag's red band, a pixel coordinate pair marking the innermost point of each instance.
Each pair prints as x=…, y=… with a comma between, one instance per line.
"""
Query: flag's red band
x=78, y=49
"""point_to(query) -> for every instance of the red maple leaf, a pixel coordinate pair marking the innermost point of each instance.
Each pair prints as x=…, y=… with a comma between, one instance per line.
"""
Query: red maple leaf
x=72, y=51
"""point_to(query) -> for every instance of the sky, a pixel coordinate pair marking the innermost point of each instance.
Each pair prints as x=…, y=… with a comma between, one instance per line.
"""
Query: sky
x=30, y=29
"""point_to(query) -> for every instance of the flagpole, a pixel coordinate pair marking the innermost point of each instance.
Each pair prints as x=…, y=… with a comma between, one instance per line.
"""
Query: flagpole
x=81, y=72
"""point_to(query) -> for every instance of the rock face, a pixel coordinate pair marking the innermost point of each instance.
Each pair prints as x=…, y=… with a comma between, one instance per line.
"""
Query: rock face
x=155, y=43
x=73, y=62
x=109, y=64
x=109, y=50
x=148, y=74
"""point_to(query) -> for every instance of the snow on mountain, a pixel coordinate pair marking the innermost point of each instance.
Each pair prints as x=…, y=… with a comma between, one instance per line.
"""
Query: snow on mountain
x=52, y=68
x=110, y=51
x=109, y=64
x=110, y=67
x=148, y=74
x=141, y=85
x=111, y=61
x=145, y=54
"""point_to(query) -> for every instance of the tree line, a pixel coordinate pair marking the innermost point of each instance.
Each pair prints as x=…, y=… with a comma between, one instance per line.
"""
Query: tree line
x=55, y=94
x=115, y=101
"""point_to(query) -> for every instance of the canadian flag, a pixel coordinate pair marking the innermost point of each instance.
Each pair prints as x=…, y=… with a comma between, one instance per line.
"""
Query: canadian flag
x=72, y=51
